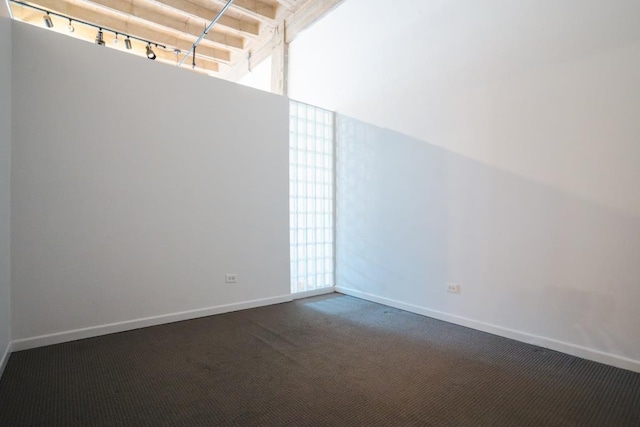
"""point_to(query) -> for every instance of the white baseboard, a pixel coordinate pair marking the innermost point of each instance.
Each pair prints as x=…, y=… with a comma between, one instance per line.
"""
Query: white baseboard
x=313, y=293
x=94, y=331
x=5, y=359
x=552, y=344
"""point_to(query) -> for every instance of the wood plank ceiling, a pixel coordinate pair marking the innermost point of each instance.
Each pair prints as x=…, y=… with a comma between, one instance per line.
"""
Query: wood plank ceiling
x=247, y=33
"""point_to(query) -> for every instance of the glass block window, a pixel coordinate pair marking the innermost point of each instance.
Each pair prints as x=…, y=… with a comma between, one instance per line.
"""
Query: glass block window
x=311, y=189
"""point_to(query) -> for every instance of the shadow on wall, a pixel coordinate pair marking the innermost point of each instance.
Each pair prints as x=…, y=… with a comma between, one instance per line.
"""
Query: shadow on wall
x=412, y=217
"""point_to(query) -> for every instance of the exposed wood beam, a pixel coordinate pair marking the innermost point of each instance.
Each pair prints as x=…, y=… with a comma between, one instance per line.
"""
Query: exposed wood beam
x=207, y=14
x=307, y=15
x=255, y=8
x=87, y=33
x=202, y=64
x=255, y=26
x=156, y=17
x=129, y=26
x=291, y=4
x=272, y=46
x=263, y=49
x=279, y=62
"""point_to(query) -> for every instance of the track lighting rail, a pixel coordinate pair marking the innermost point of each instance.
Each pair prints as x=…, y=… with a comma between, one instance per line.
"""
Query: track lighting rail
x=99, y=27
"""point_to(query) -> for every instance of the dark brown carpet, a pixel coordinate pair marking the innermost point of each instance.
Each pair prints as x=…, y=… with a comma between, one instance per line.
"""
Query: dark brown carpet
x=331, y=360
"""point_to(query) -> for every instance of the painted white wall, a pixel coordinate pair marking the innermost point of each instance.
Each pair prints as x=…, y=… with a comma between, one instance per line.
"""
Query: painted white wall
x=259, y=77
x=5, y=179
x=518, y=85
x=136, y=186
x=512, y=167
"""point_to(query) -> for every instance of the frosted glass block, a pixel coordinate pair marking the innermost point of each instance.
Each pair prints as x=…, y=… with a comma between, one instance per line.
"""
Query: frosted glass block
x=328, y=249
x=311, y=196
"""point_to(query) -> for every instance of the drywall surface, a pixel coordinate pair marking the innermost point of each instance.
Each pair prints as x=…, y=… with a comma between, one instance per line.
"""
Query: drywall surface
x=511, y=166
x=136, y=186
x=5, y=188
x=533, y=262
x=543, y=89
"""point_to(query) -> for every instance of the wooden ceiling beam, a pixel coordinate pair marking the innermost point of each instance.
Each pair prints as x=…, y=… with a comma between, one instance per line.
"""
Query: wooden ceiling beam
x=126, y=26
x=207, y=14
x=156, y=17
x=290, y=4
x=87, y=33
x=248, y=32
x=262, y=11
x=306, y=16
x=263, y=48
x=275, y=44
x=202, y=64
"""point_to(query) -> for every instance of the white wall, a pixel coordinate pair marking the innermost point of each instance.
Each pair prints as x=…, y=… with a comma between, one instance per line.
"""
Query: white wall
x=136, y=186
x=259, y=77
x=5, y=178
x=512, y=167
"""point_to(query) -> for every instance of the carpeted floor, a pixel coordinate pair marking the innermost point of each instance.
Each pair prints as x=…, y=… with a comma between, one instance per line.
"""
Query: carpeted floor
x=330, y=360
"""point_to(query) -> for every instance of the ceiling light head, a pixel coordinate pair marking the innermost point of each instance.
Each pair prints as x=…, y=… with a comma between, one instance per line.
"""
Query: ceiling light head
x=47, y=20
x=115, y=40
x=100, y=37
x=127, y=43
x=70, y=27
x=150, y=53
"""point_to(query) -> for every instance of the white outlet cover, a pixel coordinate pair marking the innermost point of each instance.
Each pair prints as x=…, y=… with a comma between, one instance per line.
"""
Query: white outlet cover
x=230, y=278
x=454, y=288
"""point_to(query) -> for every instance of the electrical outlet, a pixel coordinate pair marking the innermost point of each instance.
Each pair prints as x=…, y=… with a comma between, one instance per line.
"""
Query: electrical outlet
x=230, y=278
x=454, y=288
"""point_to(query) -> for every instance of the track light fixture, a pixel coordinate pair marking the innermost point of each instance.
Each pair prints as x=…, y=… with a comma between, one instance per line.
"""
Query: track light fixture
x=150, y=53
x=100, y=37
x=47, y=20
